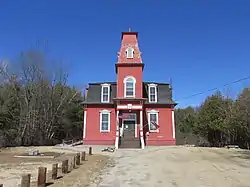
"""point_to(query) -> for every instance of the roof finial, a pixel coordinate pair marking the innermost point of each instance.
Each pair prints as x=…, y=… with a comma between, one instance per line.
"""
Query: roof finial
x=129, y=29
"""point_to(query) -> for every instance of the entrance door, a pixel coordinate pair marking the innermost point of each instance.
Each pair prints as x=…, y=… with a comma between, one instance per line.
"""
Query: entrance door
x=128, y=140
x=128, y=129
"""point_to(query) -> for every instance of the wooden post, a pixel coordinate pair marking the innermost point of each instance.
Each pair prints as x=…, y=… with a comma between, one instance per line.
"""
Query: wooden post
x=54, y=171
x=78, y=161
x=90, y=150
x=83, y=158
x=25, y=181
x=41, y=180
x=74, y=162
x=72, y=165
x=65, y=166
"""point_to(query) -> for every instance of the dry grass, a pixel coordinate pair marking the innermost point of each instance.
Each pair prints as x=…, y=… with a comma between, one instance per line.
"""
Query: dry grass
x=84, y=174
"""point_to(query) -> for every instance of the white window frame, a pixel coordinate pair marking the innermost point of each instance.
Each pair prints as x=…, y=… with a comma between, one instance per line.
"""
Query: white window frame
x=125, y=86
x=108, y=113
x=105, y=86
x=130, y=52
x=155, y=87
x=157, y=120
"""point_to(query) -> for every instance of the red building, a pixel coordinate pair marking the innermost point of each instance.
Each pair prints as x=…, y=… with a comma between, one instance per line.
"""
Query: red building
x=129, y=112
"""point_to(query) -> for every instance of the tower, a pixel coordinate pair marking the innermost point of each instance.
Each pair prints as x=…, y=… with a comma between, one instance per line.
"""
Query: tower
x=129, y=67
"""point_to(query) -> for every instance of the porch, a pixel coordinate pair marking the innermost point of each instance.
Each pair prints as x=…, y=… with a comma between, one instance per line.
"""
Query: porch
x=129, y=127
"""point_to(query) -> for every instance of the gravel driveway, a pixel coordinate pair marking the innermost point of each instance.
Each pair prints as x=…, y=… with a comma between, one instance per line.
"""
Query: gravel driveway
x=177, y=167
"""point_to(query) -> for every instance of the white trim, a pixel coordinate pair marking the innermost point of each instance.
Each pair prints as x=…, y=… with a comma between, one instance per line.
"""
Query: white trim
x=141, y=133
x=155, y=87
x=135, y=120
x=128, y=107
x=136, y=135
x=84, y=123
x=104, y=112
x=173, y=124
x=153, y=111
x=117, y=130
x=125, y=86
x=117, y=120
x=105, y=86
x=157, y=119
x=141, y=130
x=132, y=54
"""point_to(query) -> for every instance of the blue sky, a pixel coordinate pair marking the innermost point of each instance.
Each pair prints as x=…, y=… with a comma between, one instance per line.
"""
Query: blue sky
x=198, y=44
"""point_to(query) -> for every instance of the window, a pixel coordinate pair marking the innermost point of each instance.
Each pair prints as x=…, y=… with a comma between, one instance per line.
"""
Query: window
x=130, y=52
x=152, y=93
x=105, y=121
x=105, y=93
x=129, y=87
x=153, y=121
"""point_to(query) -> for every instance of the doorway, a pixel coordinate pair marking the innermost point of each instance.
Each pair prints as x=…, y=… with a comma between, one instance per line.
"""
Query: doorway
x=128, y=129
x=128, y=138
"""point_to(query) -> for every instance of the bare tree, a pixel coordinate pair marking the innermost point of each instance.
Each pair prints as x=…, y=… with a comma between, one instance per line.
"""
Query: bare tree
x=42, y=97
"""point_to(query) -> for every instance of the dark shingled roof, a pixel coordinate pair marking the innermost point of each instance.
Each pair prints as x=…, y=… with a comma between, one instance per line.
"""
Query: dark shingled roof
x=164, y=93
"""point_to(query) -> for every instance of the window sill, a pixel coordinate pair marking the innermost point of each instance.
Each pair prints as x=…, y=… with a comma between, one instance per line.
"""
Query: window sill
x=104, y=131
x=154, y=131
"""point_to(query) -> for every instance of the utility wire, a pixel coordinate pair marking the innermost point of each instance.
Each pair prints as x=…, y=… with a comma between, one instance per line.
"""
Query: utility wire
x=199, y=93
x=213, y=89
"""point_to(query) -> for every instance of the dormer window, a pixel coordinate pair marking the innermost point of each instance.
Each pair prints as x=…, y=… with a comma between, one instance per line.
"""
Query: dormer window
x=105, y=93
x=130, y=52
x=129, y=86
x=152, y=93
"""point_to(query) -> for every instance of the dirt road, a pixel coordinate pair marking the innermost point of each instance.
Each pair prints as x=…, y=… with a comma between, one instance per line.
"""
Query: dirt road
x=178, y=167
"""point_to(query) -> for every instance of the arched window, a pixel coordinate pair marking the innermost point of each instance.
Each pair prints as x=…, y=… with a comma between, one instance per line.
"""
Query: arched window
x=129, y=86
x=130, y=52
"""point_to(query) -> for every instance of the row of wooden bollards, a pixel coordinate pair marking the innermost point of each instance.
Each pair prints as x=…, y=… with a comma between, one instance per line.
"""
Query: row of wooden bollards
x=42, y=171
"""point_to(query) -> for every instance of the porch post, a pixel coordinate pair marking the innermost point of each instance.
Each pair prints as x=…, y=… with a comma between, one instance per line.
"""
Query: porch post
x=141, y=130
x=117, y=130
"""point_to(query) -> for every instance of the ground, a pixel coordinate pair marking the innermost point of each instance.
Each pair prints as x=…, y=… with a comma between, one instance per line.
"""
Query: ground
x=11, y=168
x=174, y=166
x=178, y=167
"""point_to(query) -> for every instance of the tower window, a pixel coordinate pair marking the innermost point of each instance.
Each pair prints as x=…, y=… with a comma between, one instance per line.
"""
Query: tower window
x=130, y=52
x=129, y=87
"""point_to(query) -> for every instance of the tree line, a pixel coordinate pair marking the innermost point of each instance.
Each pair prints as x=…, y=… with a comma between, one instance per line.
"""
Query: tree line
x=37, y=105
x=218, y=121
